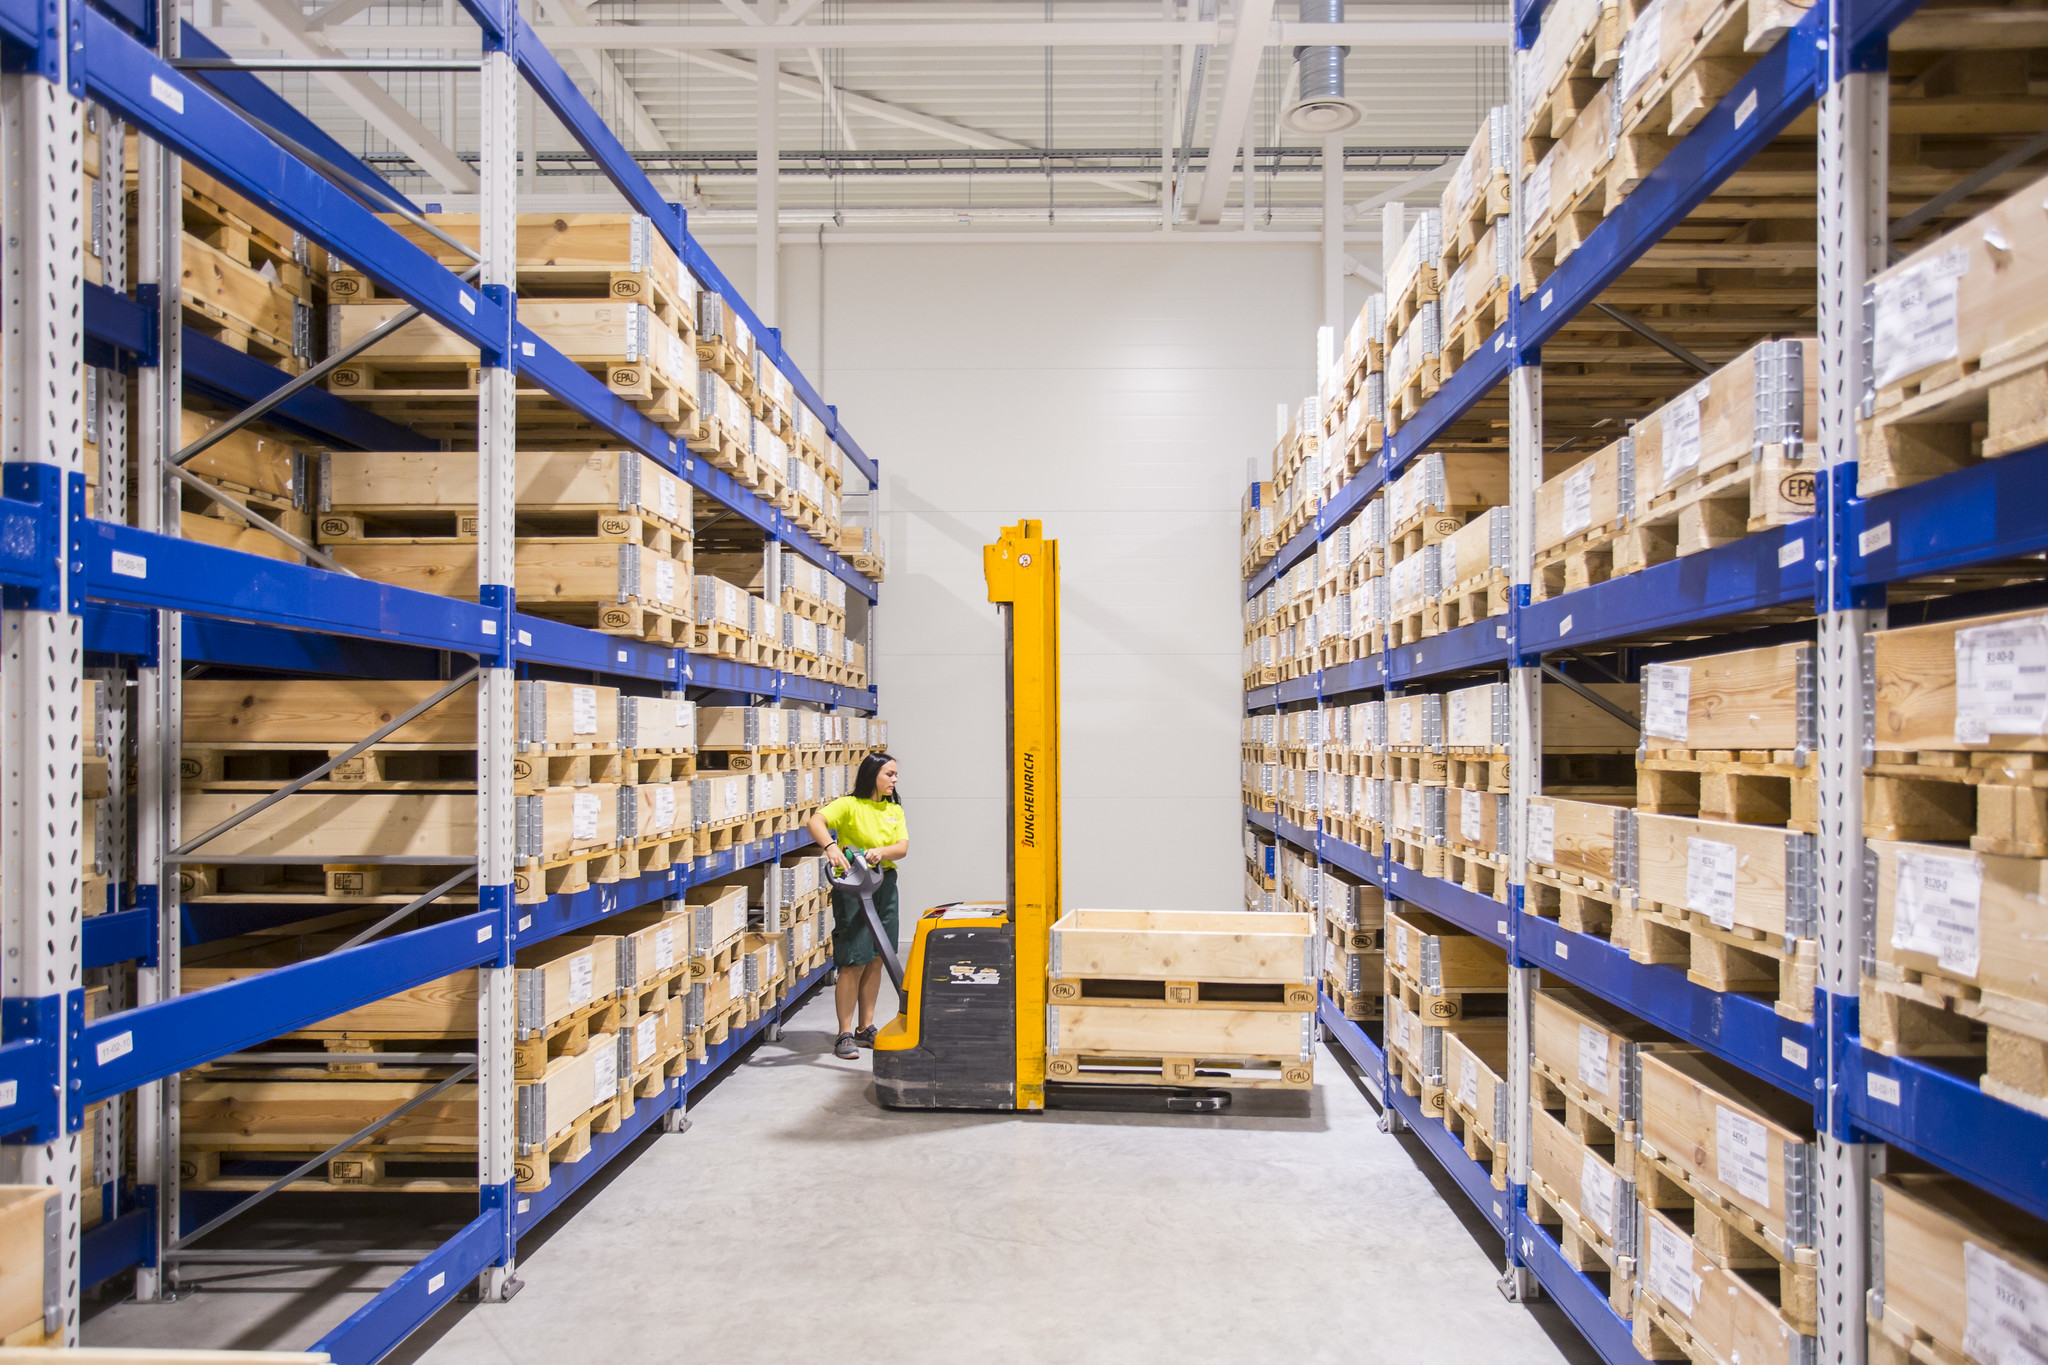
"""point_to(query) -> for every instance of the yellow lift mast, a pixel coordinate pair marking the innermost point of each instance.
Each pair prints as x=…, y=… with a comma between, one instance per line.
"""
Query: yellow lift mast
x=972, y=1031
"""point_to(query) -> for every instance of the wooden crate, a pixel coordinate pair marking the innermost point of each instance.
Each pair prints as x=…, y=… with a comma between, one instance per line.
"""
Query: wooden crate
x=1945, y=1244
x=1187, y=953
x=1585, y=1056
x=239, y=305
x=1580, y=1194
x=1742, y=1152
x=251, y=463
x=1578, y=515
x=1722, y=739
x=23, y=1219
x=1720, y=461
x=1475, y=198
x=1442, y=964
x=1472, y=571
x=1564, y=186
x=614, y=588
x=598, y=493
x=1476, y=1097
x=561, y=255
x=1959, y=974
x=1692, y=1306
x=1722, y=900
x=1972, y=389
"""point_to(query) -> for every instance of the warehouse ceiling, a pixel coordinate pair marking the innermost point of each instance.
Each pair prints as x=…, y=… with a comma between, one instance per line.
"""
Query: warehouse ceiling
x=926, y=111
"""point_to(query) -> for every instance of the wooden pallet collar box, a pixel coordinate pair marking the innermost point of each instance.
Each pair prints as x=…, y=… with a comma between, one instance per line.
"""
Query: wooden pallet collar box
x=247, y=458
x=657, y=724
x=545, y=571
x=27, y=1214
x=1749, y=877
x=655, y=1037
x=1748, y=699
x=1584, y=498
x=1585, y=1182
x=572, y=1087
x=624, y=246
x=719, y=914
x=1580, y=839
x=563, y=975
x=1591, y=1049
x=285, y=711
x=1437, y=955
x=338, y=826
x=1167, y=945
x=1744, y=1141
x=1714, y=1307
x=1466, y=197
x=1475, y=1079
x=1438, y=485
x=1960, y=1270
x=652, y=941
x=596, y=481
x=442, y=1008
x=1953, y=916
x=654, y=810
x=1765, y=402
x=1963, y=685
x=595, y=333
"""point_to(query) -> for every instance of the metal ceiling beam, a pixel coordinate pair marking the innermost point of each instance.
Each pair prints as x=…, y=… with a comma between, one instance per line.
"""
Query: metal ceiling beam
x=888, y=113
x=283, y=23
x=1233, y=110
x=1428, y=177
x=645, y=135
x=1373, y=33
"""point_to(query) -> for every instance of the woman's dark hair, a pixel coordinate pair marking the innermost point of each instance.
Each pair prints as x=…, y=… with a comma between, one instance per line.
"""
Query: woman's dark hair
x=870, y=769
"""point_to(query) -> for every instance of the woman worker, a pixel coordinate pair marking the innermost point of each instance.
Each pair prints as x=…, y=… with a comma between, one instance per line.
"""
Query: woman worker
x=871, y=819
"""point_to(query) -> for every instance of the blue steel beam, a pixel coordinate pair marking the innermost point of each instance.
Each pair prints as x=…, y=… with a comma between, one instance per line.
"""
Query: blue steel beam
x=23, y=24
x=1987, y=512
x=1481, y=915
x=197, y=124
x=1947, y=1119
x=376, y=1329
x=1480, y=645
x=121, y=1051
x=28, y=1083
x=1585, y=1305
x=143, y=569
x=115, y=1245
x=28, y=543
x=122, y=936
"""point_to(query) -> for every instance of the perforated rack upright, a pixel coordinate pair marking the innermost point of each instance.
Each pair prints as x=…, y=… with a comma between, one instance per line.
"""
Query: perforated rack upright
x=136, y=601
x=1836, y=563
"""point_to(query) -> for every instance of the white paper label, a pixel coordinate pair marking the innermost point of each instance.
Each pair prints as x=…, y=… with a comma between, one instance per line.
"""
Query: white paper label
x=1468, y=1084
x=1596, y=1193
x=1563, y=949
x=435, y=1282
x=10, y=1092
x=1642, y=48
x=665, y=580
x=584, y=813
x=736, y=981
x=664, y=807
x=120, y=1045
x=1791, y=552
x=583, y=710
x=1401, y=945
x=1454, y=296
x=732, y=797
x=1564, y=627
x=130, y=566
x=1533, y=83
x=1542, y=834
x=1405, y=729
x=1667, y=701
x=2005, y=1310
x=1936, y=906
x=1742, y=1156
x=1671, y=1277
x=1915, y=324
x=680, y=359
x=666, y=492
x=582, y=973
x=1593, y=1059
x=664, y=948
x=1710, y=868
x=1875, y=539
x=1578, y=499
x=1462, y=182
x=643, y=1039
x=163, y=92
x=2002, y=680
x=604, y=1072
x=1681, y=425
x=1536, y=190
x=1471, y=818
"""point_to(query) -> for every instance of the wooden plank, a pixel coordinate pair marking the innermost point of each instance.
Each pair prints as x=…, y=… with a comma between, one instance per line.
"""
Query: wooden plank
x=1085, y=1029
x=1929, y=1220
x=1748, y=699
x=344, y=825
x=1689, y=1306
x=319, y=711
x=1739, y=1139
x=1166, y=945
x=545, y=572
x=1587, y=1047
x=1916, y=688
x=1668, y=847
x=389, y=482
x=1581, y=838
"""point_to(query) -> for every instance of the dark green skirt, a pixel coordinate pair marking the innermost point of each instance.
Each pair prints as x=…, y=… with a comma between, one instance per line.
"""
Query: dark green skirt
x=852, y=943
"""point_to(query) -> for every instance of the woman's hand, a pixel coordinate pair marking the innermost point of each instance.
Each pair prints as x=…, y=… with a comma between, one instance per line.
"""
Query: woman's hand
x=837, y=859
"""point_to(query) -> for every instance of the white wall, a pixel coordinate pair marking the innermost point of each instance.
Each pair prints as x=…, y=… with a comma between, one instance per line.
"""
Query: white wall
x=1116, y=391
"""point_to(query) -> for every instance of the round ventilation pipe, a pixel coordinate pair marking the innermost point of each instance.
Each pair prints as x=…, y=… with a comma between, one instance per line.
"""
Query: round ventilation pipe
x=1321, y=109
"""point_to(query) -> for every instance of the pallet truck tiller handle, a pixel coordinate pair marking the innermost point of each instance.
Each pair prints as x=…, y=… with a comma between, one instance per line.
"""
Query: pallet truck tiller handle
x=862, y=879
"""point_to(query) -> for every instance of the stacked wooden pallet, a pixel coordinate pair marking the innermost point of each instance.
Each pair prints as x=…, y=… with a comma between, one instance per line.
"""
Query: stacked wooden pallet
x=1476, y=266
x=1259, y=529
x=1729, y=456
x=1949, y=1250
x=1146, y=997
x=1956, y=809
x=1434, y=498
x=1261, y=872
x=1442, y=982
x=1355, y=941
x=603, y=537
x=1414, y=320
x=802, y=632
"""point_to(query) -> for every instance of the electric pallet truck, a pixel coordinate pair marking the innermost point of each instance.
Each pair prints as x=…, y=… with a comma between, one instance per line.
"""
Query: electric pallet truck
x=971, y=1032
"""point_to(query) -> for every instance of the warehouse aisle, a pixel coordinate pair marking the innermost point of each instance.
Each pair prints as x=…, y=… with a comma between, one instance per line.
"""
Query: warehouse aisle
x=798, y=1221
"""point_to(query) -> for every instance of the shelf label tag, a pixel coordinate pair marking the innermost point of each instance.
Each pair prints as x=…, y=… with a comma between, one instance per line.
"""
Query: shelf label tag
x=1791, y=552
x=1642, y=48
x=2002, y=680
x=9, y=1093
x=582, y=976
x=1875, y=539
x=1667, y=701
x=1710, y=868
x=1542, y=834
x=1747, y=109
x=1883, y=1089
x=468, y=303
x=166, y=94
x=1742, y=1154
x=1679, y=425
x=1564, y=627
x=434, y=1284
x=1792, y=1051
x=1563, y=949
x=130, y=566
x=120, y=1045
x=583, y=710
x=2005, y=1308
x=1468, y=1085
x=1935, y=908
x=1593, y=1059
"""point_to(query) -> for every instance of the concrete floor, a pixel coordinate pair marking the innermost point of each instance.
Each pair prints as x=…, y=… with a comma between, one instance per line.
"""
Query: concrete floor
x=798, y=1219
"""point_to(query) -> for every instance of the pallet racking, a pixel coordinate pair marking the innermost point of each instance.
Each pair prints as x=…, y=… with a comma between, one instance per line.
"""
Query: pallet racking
x=133, y=605
x=1836, y=567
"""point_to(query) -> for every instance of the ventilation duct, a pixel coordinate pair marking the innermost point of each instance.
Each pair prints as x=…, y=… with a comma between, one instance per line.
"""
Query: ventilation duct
x=1321, y=109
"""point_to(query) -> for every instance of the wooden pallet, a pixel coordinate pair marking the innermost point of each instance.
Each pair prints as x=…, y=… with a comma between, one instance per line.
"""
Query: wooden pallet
x=1740, y=786
x=1480, y=872
x=712, y=758
x=1716, y=506
x=1582, y=906
x=1996, y=802
x=1236, y=995
x=1198, y=1073
x=1733, y=961
x=536, y=879
x=1426, y=769
x=264, y=766
x=1476, y=770
x=1584, y=1247
x=1732, y=1239
x=452, y=527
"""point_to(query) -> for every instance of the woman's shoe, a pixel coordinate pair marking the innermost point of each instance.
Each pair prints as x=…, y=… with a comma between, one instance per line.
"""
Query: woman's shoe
x=845, y=1048
x=865, y=1037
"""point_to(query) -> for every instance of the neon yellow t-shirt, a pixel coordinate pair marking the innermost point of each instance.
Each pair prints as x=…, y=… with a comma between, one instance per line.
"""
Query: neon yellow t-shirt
x=865, y=824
